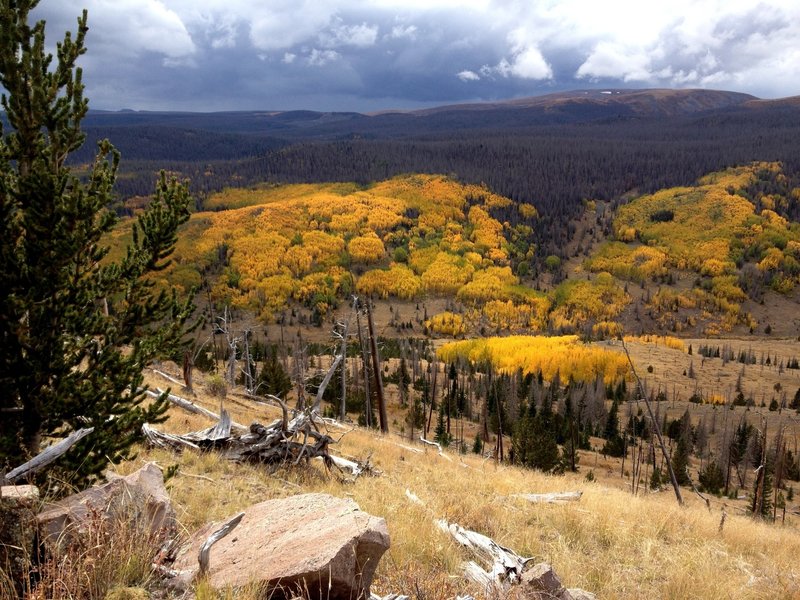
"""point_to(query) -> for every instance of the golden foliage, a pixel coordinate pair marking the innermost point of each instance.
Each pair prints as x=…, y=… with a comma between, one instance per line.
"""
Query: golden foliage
x=564, y=355
x=447, y=323
x=709, y=229
x=512, y=316
x=301, y=232
x=398, y=281
x=578, y=301
x=667, y=341
x=366, y=248
x=446, y=274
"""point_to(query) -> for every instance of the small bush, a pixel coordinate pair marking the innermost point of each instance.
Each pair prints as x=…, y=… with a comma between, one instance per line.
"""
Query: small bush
x=216, y=386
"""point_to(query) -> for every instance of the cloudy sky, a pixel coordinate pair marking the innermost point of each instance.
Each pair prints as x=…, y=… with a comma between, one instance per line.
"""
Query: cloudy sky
x=209, y=55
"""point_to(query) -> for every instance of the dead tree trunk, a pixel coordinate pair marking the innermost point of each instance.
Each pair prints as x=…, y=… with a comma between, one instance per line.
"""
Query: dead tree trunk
x=434, y=366
x=300, y=372
x=365, y=364
x=376, y=364
x=657, y=428
x=188, y=367
x=343, y=403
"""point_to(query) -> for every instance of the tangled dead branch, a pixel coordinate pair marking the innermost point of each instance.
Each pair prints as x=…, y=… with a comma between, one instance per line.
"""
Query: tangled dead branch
x=284, y=441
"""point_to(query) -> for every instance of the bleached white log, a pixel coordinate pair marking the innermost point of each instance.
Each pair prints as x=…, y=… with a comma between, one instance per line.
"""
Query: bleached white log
x=552, y=497
x=47, y=456
x=169, y=378
x=413, y=497
x=191, y=407
x=204, y=557
x=161, y=439
x=436, y=445
x=505, y=565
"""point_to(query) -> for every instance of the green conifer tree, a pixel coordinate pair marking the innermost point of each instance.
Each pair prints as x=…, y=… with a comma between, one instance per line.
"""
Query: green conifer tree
x=441, y=434
x=76, y=329
x=615, y=443
x=711, y=478
x=680, y=460
x=477, y=446
x=273, y=378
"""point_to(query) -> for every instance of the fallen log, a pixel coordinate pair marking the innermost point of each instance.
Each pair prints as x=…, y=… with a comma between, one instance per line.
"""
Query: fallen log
x=283, y=441
x=193, y=408
x=552, y=497
x=169, y=378
x=160, y=439
x=47, y=456
x=505, y=565
x=436, y=445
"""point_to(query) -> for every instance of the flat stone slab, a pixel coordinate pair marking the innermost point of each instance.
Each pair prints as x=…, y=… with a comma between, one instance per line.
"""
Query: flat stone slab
x=325, y=546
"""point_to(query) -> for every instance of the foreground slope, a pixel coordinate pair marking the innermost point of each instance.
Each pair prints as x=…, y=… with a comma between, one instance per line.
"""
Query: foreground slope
x=610, y=543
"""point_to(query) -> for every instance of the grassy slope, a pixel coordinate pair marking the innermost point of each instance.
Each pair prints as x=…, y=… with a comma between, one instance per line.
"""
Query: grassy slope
x=611, y=543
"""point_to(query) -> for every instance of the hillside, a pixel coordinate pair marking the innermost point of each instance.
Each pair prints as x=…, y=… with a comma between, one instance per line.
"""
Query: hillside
x=611, y=543
x=720, y=256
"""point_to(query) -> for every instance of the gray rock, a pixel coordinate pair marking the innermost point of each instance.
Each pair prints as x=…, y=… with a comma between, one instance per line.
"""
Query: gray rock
x=137, y=500
x=540, y=581
x=315, y=544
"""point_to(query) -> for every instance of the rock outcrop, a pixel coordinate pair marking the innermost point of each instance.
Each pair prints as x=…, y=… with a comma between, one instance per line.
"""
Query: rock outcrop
x=139, y=498
x=540, y=582
x=316, y=544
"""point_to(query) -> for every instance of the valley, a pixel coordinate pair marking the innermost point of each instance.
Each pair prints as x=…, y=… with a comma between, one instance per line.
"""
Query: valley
x=513, y=283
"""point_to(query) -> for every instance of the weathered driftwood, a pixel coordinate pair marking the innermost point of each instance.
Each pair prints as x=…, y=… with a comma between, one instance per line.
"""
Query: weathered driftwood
x=436, y=445
x=168, y=377
x=552, y=497
x=47, y=456
x=191, y=407
x=505, y=565
x=160, y=439
x=413, y=497
x=204, y=556
x=283, y=441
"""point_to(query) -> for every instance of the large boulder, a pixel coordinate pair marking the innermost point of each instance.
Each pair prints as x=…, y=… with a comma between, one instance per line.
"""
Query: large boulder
x=540, y=582
x=320, y=545
x=137, y=500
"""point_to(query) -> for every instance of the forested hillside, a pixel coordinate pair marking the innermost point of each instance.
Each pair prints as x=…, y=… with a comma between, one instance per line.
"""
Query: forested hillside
x=552, y=156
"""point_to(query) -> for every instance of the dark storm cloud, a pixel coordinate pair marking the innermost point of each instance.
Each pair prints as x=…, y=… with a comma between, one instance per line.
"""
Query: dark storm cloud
x=347, y=55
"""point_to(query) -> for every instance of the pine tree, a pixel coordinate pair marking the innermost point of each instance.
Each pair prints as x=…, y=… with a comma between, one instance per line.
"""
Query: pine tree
x=680, y=460
x=762, y=488
x=711, y=478
x=403, y=382
x=615, y=444
x=477, y=445
x=441, y=434
x=77, y=329
x=273, y=378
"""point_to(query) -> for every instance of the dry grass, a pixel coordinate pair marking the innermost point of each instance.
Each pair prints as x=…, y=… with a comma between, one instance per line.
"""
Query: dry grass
x=611, y=543
x=105, y=554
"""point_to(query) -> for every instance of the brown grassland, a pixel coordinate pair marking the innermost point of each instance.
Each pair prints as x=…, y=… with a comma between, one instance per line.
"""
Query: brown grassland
x=610, y=542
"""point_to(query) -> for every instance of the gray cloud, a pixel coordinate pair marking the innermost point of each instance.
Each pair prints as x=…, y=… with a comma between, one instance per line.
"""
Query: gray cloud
x=348, y=55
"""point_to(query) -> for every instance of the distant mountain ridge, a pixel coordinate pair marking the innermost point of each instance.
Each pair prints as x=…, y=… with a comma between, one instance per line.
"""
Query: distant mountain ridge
x=563, y=107
x=646, y=102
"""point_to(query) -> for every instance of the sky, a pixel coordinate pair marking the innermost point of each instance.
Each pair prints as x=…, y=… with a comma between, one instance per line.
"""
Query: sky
x=370, y=55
